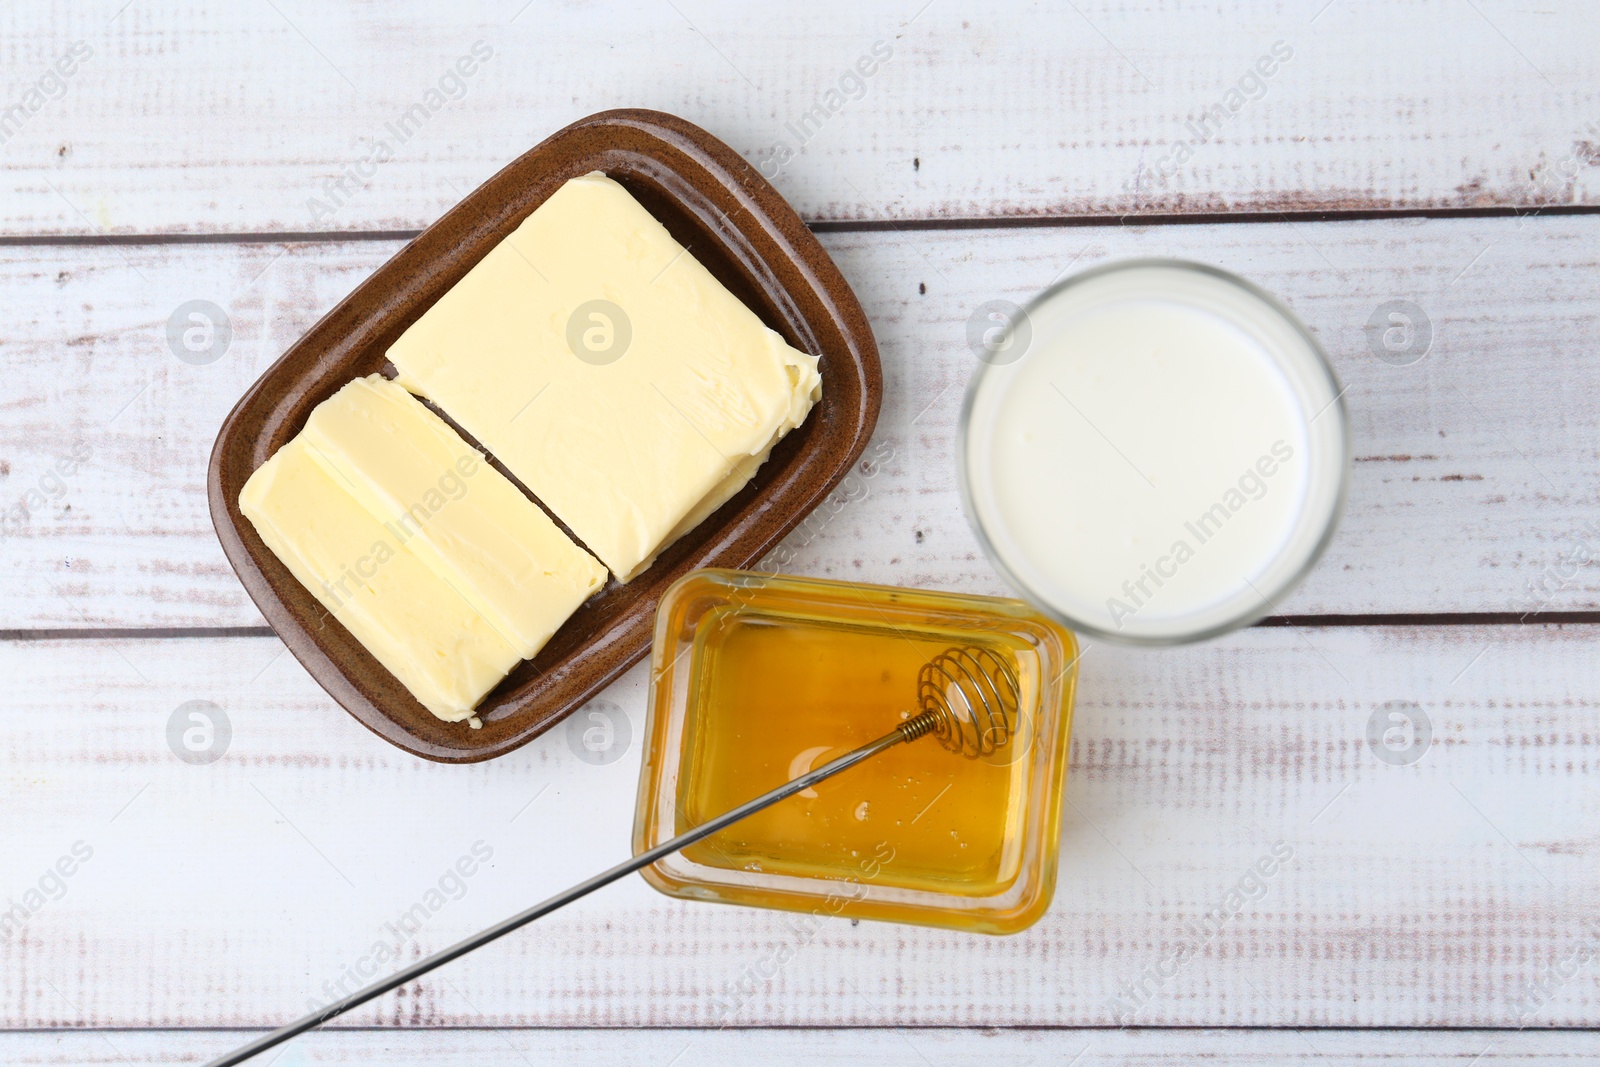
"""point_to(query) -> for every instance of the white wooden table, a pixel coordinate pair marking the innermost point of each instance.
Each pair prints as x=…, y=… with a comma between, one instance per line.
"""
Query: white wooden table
x=1441, y=906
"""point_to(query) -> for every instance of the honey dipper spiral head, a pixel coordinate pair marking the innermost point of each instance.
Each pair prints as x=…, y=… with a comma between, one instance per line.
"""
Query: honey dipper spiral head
x=969, y=699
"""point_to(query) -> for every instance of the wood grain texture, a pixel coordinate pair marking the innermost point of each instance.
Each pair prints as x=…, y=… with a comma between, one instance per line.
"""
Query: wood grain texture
x=1456, y=891
x=1476, y=486
x=212, y=117
x=823, y=1048
x=1437, y=893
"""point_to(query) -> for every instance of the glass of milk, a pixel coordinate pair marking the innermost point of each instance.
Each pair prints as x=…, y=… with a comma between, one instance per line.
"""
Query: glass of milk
x=1154, y=451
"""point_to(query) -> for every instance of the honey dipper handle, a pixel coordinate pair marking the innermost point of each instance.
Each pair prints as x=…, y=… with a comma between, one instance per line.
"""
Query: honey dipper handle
x=907, y=731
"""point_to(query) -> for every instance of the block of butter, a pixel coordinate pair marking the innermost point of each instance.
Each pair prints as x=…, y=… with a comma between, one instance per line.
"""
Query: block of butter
x=437, y=496
x=624, y=385
x=412, y=621
x=430, y=557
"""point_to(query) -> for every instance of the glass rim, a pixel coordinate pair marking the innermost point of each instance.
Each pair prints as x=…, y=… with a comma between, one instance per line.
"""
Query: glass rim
x=1269, y=597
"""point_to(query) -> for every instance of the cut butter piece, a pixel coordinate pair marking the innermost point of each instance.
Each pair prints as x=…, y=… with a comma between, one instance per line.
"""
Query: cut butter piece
x=436, y=496
x=412, y=621
x=624, y=385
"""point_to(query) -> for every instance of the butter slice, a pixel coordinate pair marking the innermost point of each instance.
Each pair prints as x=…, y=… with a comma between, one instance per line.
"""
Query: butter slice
x=630, y=453
x=412, y=621
x=440, y=499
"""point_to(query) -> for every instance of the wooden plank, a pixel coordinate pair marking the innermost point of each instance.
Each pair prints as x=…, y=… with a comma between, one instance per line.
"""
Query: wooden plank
x=1474, y=490
x=1440, y=892
x=246, y=119
x=891, y=1048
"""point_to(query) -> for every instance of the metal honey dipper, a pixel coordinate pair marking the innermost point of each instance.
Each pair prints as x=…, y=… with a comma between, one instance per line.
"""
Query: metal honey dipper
x=968, y=697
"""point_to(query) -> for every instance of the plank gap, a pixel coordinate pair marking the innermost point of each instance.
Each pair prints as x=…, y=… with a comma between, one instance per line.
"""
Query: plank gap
x=994, y=222
x=1405, y=620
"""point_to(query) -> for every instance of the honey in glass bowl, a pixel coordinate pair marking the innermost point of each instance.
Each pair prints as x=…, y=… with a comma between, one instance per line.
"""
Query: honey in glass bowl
x=758, y=679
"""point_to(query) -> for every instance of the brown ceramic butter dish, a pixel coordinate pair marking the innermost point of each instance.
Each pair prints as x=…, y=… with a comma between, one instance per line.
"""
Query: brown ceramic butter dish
x=737, y=225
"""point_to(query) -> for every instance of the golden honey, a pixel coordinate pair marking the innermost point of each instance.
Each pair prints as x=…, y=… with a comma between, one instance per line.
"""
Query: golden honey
x=759, y=679
x=777, y=696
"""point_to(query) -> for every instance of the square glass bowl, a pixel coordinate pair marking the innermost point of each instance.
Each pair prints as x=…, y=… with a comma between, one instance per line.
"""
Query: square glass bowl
x=758, y=678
